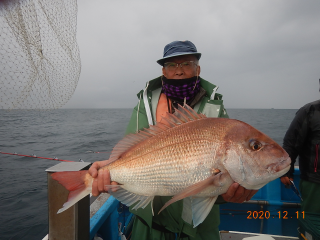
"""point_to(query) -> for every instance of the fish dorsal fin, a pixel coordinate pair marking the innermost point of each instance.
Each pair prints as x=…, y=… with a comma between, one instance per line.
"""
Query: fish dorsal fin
x=180, y=116
x=132, y=139
x=188, y=112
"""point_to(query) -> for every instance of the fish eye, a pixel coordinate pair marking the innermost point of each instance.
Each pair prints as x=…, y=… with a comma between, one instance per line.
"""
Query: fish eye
x=255, y=145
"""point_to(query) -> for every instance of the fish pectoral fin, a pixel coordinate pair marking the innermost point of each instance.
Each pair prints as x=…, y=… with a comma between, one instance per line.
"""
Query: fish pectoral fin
x=201, y=207
x=186, y=214
x=129, y=198
x=195, y=189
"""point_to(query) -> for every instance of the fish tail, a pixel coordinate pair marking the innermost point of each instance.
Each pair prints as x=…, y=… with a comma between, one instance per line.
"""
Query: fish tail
x=78, y=183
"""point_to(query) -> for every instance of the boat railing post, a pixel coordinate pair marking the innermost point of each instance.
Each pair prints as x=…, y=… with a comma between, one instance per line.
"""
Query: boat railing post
x=74, y=223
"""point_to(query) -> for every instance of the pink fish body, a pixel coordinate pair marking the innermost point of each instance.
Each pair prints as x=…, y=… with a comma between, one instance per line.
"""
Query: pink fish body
x=189, y=156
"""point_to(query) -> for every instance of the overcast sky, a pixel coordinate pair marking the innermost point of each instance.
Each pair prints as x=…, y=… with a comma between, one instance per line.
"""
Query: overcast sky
x=261, y=53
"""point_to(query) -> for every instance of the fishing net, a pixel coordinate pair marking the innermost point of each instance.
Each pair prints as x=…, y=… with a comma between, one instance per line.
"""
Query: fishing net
x=39, y=56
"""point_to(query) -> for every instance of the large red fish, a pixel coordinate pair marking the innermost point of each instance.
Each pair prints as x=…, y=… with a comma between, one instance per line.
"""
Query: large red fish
x=188, y=155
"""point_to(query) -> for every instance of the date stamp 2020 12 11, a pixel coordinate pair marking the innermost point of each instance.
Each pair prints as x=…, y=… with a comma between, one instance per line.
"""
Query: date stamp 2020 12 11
x=267, y=215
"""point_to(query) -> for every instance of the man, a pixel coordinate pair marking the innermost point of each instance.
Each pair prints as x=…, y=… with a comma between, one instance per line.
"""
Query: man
x=302, y=139
x=180, y=84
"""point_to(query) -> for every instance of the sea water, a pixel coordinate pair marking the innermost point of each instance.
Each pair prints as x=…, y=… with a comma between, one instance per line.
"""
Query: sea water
x=76, y=135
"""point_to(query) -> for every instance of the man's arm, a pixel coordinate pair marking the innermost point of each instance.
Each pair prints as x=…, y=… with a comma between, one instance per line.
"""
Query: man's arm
x=295, y=137
x=138, y=118
x=293, y=141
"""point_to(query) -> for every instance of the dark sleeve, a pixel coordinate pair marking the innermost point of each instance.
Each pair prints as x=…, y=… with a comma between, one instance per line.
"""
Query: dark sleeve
x=295, y=137
x=220, y=200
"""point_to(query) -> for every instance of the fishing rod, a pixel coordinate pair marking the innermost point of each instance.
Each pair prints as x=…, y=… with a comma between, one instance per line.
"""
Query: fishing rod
x=55, y=158
x=34, y=156
x=96, y=152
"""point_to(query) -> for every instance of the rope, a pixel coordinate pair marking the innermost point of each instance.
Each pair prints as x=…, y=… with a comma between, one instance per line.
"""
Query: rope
x=316, y=159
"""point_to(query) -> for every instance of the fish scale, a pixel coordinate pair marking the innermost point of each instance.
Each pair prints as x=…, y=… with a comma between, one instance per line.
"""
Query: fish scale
x=186, y=155
x=172, y=158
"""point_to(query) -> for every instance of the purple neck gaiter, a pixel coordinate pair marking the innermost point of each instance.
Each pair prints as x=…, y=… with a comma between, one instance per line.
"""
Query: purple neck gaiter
x=178, y=89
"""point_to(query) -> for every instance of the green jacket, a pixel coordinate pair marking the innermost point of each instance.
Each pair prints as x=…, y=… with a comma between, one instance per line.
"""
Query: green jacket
x=170, y=218
x=211, y=106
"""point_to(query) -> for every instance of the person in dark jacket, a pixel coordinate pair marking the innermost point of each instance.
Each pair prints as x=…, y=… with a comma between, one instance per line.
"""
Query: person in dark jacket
x=302, y=139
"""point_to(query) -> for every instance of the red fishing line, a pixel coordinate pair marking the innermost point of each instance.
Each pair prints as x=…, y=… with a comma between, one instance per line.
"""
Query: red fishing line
x=34, y=156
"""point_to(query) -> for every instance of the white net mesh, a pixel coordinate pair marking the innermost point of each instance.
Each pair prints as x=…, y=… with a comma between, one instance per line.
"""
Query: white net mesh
x=39, y=56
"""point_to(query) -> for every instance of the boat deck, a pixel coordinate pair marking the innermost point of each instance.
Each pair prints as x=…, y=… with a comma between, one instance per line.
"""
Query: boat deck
x=231, y=235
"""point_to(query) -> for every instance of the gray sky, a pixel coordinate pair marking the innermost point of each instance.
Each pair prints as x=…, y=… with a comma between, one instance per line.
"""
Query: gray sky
x=261, y=54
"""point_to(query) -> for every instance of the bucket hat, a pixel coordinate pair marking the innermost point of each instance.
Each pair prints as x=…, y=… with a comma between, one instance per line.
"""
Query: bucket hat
x=178, y=48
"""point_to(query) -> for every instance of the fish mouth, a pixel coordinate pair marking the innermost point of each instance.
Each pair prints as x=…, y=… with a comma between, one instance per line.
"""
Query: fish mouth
x=283, y=164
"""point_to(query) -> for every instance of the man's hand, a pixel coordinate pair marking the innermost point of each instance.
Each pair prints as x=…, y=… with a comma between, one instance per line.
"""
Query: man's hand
x=238, y=194
x=101, y=178
x=286, y=180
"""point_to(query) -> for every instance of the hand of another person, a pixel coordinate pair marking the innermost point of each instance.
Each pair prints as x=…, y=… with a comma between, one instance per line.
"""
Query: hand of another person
x=286, y=180
x=238, y=194
x=101, y=178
